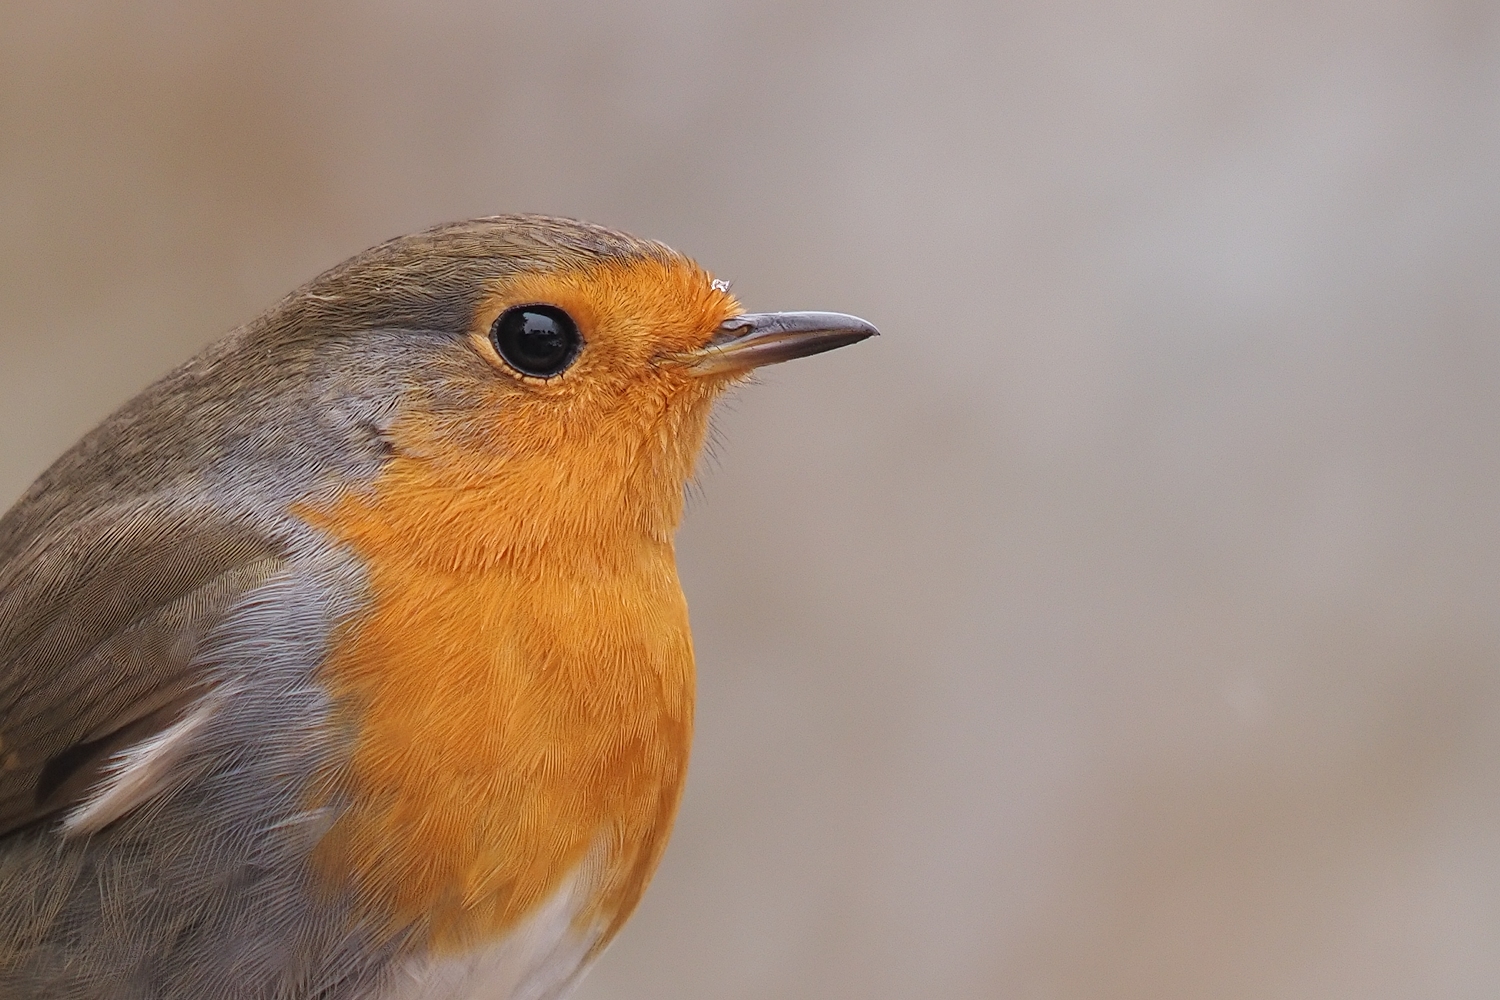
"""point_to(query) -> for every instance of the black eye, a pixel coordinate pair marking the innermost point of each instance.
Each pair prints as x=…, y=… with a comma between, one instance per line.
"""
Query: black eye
x=536, y=340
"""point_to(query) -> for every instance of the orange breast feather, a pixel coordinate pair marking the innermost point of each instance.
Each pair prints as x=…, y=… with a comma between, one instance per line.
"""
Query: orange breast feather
x=514, y=710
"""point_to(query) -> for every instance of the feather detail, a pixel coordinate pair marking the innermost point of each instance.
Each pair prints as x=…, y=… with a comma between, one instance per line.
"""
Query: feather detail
x=141, y=772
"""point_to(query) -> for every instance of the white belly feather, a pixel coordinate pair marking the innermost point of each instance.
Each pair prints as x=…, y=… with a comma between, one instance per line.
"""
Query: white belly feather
x=540, y=959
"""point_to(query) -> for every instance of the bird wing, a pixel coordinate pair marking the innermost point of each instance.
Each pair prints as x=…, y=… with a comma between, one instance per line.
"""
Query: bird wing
x=100, y=620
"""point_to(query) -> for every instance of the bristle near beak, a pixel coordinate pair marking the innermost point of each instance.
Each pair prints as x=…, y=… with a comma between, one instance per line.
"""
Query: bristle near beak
x=751, y=340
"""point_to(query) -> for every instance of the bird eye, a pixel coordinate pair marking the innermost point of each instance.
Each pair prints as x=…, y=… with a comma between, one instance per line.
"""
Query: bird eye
x=540, y=341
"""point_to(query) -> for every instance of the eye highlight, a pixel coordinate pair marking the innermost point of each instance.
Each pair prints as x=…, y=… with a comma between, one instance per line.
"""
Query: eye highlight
x=536, y=340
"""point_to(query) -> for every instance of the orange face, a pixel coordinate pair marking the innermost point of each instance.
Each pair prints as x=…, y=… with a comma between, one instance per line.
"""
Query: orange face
x=594, y=454
x=633, y=314
x=638, y=320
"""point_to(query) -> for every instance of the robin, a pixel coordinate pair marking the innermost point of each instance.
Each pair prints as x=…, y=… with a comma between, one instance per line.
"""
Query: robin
x=350, y=659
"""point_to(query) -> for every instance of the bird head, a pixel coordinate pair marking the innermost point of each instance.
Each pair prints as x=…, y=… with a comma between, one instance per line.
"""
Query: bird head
x=555, y=378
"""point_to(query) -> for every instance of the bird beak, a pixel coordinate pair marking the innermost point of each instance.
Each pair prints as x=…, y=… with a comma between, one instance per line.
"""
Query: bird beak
x=751, y=340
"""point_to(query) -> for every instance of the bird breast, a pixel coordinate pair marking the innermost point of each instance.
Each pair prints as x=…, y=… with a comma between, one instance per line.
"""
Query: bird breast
x=512, y=719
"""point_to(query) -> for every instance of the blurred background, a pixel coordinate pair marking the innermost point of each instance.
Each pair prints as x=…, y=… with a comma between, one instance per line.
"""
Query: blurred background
x=1123, y=623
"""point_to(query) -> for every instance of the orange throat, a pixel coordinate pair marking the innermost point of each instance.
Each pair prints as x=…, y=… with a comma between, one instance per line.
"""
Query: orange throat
x=521, y=693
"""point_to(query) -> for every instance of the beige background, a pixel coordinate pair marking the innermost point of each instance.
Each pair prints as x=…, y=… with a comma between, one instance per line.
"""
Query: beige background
x=1123, y=623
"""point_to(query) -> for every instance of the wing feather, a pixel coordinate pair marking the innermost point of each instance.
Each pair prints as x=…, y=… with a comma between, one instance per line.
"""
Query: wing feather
x=100, y=620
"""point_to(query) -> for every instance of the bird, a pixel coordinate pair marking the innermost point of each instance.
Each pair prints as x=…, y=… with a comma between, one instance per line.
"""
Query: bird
x=349, y=661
